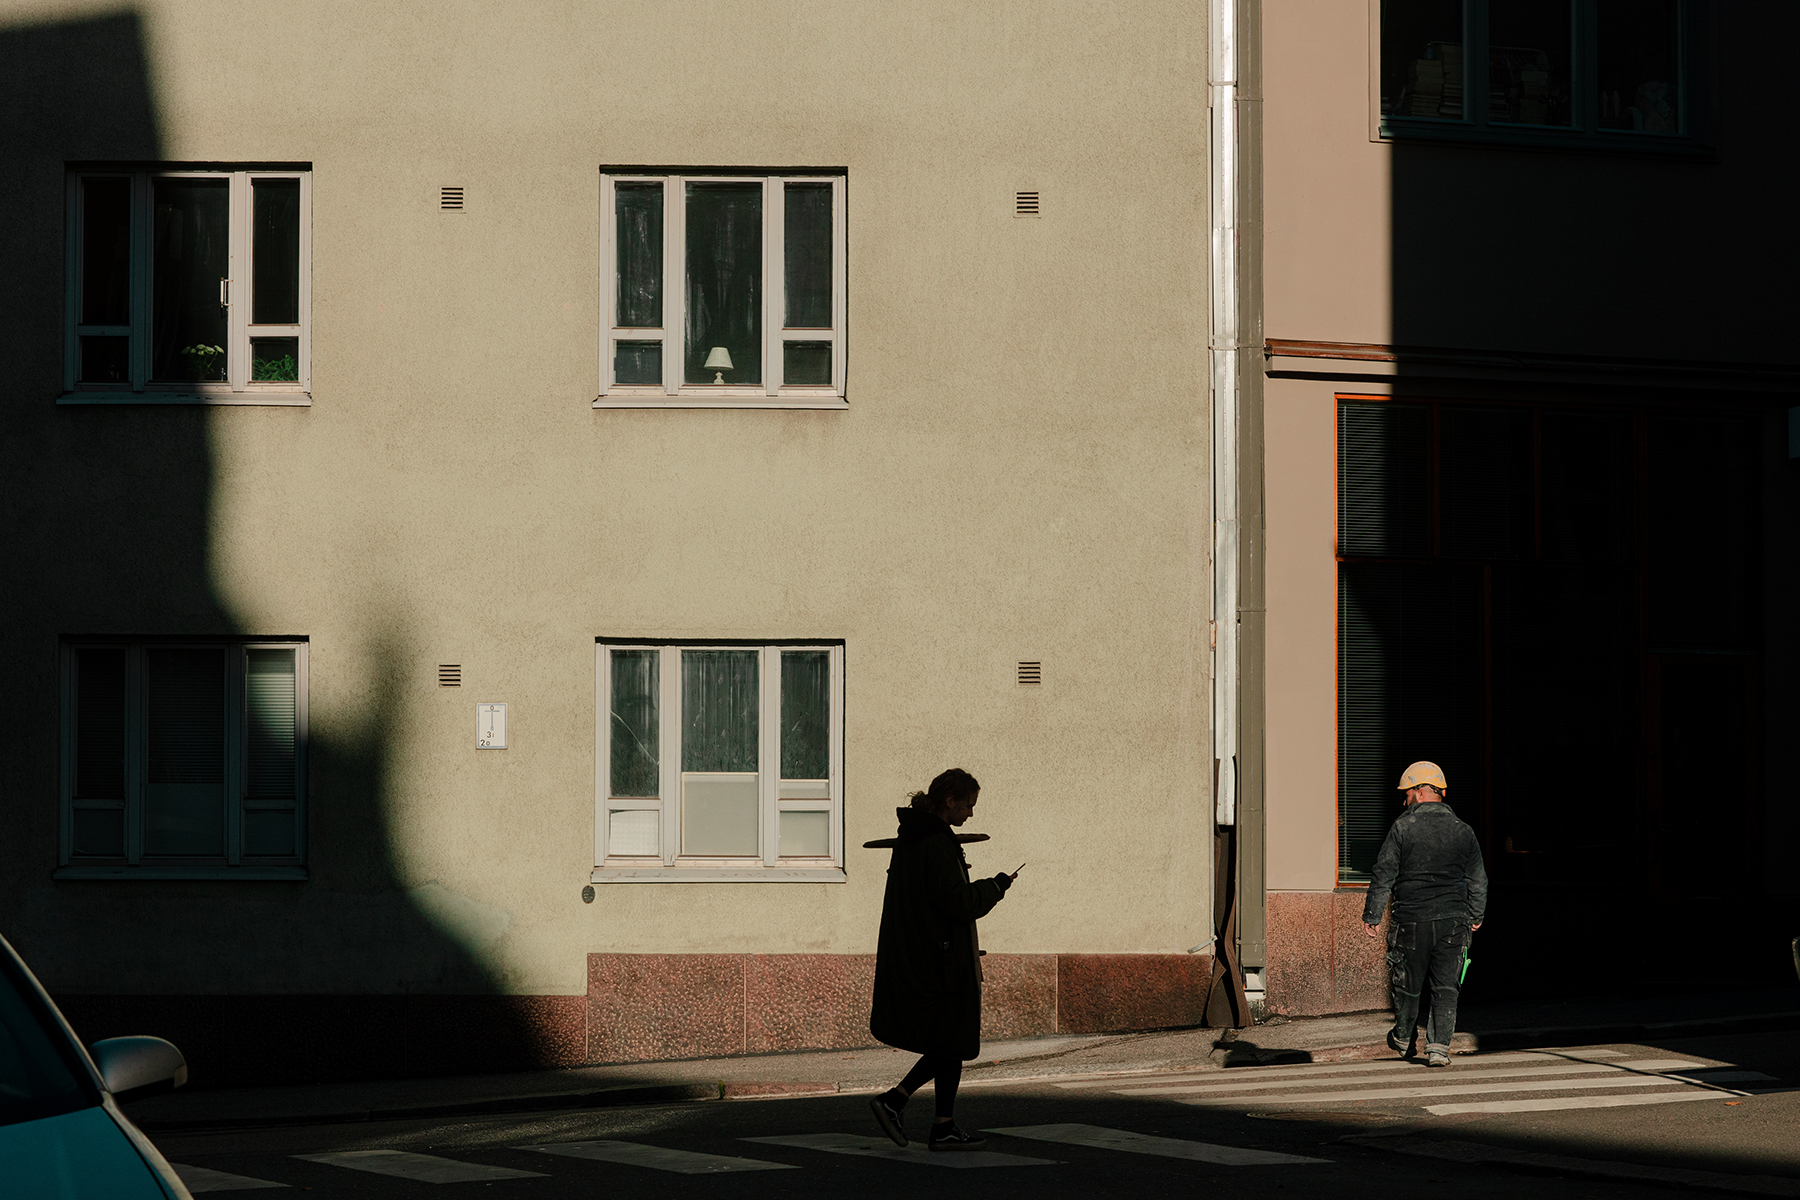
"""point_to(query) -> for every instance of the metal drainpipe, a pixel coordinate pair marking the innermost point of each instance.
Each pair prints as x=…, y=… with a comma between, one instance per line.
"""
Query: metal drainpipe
x=1235, y=102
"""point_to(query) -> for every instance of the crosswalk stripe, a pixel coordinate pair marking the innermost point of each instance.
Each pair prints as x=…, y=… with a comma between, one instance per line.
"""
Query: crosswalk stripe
x=1413, y=1093
x=1659, y=1064
x=205, y=1179
x=1554, y=1103
x=426, y=1168
x=845, y=1143
x=1197, y=1089
x=1308, y=1069
x=1144, y=1143
x=658, y=1158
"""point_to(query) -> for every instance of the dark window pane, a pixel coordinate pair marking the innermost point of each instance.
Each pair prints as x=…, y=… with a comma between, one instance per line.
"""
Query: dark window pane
x=276, y=247
x=1587, y=486
x=192, y=254
x=806, y=362
x=640, y=252
x=1639, y=61
x=1410, y=674
x=1422, y=58
x=1485, y=481
x=1700, y=532
x=808, y=251
x=100, y=724
x=271, y=701
x=805, y=714
x=100, y=832
x=719, y=710
x=635, y=755
x=184, y=803
x=637, y=364
x=724, y=282
x=269, y=832
x=105, y=360
x=1565, y=715
x=1384, y=479
x=1705, y=835
x=106, y=252
x=275, y=360
x=1528, y=61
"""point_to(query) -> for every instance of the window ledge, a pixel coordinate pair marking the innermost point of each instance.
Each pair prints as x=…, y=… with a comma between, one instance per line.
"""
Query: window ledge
x=1545, y=137
x=764, y=401
x=289, y=874
x=269, y=397
x=717, y=875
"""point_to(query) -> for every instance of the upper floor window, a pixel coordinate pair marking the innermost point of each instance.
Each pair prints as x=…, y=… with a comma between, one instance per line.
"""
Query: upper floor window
x=1614, y=72
x=184, y=759
x=720, y=761
x=190, y=284
x=723, y=289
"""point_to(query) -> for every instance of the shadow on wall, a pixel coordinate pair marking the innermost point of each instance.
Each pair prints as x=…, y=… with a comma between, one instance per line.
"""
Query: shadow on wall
x=345, y=975
x=1570, y=555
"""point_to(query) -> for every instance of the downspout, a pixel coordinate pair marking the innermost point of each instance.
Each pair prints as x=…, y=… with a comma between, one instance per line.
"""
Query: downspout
x=1234, y=351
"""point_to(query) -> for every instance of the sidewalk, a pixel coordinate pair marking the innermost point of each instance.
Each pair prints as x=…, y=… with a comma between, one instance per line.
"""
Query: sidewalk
x=1316, y=1039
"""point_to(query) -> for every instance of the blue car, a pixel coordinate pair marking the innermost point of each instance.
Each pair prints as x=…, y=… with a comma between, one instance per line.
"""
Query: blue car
x=62, y=1136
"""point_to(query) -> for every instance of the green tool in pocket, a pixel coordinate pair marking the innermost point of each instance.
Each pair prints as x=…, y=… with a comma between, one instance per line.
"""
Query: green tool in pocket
x=1465, y=968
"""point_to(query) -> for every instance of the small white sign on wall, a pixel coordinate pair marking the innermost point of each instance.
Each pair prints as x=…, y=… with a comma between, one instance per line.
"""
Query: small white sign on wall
x=490, y=726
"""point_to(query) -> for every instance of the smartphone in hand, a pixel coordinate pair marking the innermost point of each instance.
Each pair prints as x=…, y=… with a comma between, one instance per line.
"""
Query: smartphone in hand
x=1016, y=871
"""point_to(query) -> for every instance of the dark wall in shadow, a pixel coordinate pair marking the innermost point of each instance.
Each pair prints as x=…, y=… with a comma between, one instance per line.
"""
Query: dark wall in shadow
x=106, y=531
x=1596, y=793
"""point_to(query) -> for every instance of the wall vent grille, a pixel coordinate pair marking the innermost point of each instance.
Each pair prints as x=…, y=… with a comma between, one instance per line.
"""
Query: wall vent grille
x=1031, y=674
x=1025, y=204
x=450, y=199
x=449, y=674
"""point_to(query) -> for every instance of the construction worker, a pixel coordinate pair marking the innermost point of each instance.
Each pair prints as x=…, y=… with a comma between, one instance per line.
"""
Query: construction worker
x=1430, y=863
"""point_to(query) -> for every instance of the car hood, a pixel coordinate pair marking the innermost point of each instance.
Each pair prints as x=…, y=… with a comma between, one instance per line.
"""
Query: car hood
x=83, y=1154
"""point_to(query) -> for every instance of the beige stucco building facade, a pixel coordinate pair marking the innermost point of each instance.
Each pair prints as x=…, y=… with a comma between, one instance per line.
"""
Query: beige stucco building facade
x=1015, y=470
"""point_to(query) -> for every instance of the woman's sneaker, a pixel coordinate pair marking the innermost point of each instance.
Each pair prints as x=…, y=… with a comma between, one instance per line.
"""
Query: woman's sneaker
x=887, y=1115
x=950, y=1136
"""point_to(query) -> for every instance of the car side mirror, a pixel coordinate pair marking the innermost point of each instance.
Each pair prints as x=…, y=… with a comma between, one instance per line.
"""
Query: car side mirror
x=138, y=1066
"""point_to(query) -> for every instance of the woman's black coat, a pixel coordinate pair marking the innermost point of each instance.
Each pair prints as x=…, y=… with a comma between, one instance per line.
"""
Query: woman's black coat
x=927, y=963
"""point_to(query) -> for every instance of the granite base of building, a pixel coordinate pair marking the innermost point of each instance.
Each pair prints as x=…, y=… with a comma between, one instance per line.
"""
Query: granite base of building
x=1321, y=960
x=638, y=1008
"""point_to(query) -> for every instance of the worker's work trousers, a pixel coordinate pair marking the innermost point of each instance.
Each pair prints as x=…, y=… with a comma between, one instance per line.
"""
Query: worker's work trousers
x=1425, y=954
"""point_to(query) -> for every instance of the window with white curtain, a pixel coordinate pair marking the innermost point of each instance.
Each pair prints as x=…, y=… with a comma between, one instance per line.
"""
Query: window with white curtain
x=183, y=759
x=719, y=761
x=723, y=289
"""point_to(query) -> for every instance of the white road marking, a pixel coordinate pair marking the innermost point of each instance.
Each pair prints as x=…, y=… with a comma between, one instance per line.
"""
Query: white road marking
x=1563, y=1164
x=426, y=1168
x=658, y=1158
x=1407, y=1093
x=845, y=1143
x=1305, y=1069
x=1714, y=1075
x=1207, y=1089
x=1143, y=1143
x=1659, y=1064
x=205, y=1179
x=1556, y=1103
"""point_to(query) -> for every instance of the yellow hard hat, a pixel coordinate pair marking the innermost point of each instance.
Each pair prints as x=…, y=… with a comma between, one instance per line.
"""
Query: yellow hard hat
x=1423, y=773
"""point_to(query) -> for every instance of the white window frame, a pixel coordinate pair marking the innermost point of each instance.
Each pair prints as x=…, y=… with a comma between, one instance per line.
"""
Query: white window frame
x=237, y=387
x=675, y=392
x=135, y=864
x=671, y=866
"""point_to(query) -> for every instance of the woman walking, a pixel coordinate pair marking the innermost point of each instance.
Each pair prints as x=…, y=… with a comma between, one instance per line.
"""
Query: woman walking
x=927, y=962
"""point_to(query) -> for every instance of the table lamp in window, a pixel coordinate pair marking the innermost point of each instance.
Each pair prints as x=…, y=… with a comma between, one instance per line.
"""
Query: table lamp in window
x=718, y=362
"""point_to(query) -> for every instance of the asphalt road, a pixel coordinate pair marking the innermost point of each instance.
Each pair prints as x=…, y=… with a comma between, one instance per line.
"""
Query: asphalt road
x=1594, y=1121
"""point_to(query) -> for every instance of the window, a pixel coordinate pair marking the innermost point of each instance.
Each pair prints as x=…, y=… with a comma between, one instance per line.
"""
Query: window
x=184, y=759
x=1593, y=72
x=1530, y=593
x=720, y=761
x=189, y=284
x=723, y=290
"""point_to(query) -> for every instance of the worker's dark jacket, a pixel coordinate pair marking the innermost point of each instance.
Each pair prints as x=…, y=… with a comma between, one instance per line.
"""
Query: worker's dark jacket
x=1431, y=863
x=927, y=964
